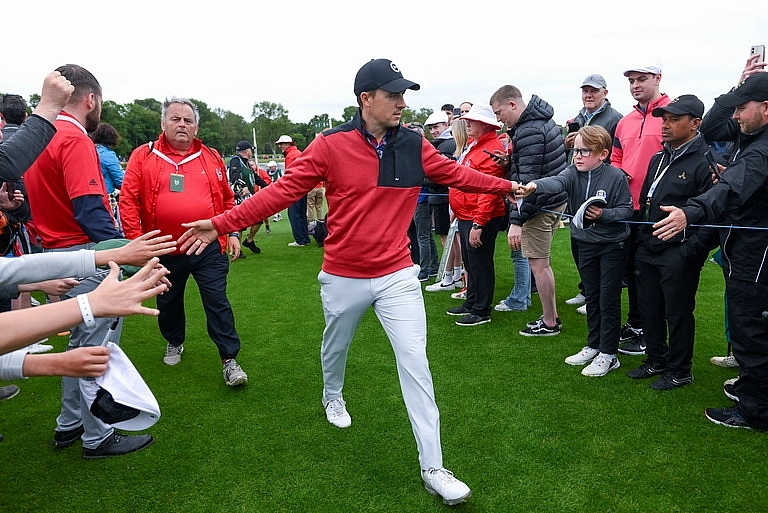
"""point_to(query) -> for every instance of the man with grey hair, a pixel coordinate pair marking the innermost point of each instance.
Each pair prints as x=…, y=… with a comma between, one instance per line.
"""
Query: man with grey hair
x=167, y=182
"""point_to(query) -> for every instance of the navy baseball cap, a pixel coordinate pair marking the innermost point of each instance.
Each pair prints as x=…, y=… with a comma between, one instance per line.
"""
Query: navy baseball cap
x=382, y=74
x=683, y=104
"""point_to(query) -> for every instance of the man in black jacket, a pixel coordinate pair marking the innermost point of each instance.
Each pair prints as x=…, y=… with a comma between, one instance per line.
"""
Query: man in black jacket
x=667, y=272
x=537, y=151
x=740, y=200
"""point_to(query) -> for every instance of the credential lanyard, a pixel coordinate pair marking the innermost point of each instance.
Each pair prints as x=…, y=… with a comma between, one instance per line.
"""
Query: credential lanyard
x=73, y=121
x=174, y=164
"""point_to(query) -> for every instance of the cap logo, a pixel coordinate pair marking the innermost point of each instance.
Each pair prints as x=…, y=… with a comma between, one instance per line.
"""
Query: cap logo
x=394, y=67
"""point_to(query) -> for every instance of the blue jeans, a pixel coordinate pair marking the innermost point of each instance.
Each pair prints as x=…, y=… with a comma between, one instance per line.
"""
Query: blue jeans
x=297, y=216
x=427, y=247
x=520, y=296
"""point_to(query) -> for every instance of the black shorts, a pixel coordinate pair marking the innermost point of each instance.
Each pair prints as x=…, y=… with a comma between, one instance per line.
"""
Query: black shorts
x=441, y=218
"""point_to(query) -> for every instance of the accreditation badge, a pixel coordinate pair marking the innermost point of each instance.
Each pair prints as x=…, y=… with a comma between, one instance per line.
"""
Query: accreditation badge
x=177, y=182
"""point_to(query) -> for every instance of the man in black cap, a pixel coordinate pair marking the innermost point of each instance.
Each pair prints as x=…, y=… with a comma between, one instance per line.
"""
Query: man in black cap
x=739, y=201
x=667, y=272
x=243, y=181
x=374, y=171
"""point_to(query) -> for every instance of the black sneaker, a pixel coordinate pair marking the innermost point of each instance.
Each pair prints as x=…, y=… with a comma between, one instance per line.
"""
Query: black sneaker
x=423, y=277
x=117, y=445
x=647, y=370
x=458, y=310
x=633, y=347
x=67, y=438
x=670, y=380
x=473, y=320
x=628, y=332
x=252, y=246
x=540, y=329
x=730, y=390
x=8, y=391
x=729, y=417
x=531, y=324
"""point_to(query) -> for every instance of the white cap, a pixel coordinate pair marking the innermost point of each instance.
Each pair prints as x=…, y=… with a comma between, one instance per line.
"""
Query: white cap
x=284, y=139
x=654, y=68
x=271, y=163
x=437, y=117
x=120, y=397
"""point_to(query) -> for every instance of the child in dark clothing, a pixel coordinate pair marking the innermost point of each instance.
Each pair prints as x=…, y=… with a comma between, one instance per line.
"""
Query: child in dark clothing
x=601, y=238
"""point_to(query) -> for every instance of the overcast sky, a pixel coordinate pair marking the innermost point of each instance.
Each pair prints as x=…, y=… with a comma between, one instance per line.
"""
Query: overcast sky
x=304, y=55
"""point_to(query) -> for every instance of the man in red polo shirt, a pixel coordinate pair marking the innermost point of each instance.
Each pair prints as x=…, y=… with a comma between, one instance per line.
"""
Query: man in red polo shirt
x=167, y=182
x=70, y=211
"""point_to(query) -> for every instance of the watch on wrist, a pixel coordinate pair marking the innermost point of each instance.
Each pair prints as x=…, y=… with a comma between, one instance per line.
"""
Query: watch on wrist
x=476, y=226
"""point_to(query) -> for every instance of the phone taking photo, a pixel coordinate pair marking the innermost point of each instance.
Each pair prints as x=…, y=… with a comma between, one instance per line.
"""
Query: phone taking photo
x=758, y=50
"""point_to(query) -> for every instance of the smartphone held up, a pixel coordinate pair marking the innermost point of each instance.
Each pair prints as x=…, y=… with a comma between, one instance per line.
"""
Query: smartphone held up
x=759, y=51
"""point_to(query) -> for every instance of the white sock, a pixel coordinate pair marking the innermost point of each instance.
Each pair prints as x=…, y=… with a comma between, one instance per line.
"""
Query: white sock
x=457, y=274
x=447, y=279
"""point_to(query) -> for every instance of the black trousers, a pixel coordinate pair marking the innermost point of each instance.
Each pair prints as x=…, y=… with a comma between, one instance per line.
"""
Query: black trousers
x=749, y=332
x=666, y=287
x=630, y=276
x=209, y=270
x=601, y=267
x=479, y=265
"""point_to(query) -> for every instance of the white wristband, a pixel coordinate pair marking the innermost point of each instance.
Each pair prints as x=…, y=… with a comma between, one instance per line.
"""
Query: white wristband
x=85, y=310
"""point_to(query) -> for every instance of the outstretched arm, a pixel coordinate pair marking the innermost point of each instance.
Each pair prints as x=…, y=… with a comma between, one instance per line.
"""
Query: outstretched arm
x=112, y=298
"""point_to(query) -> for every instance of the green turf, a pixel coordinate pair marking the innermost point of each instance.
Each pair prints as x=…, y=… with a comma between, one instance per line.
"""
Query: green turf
x=526, y=431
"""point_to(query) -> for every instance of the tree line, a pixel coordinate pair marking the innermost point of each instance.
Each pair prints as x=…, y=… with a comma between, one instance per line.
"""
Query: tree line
x=139, y=122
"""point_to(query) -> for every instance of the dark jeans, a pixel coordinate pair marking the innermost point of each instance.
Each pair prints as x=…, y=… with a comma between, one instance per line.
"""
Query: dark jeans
x=749, y=331
x=601, y=267
x=297, y=216
x=209, y=270
x=479, y=265
x=666, y=287
x=427, y=247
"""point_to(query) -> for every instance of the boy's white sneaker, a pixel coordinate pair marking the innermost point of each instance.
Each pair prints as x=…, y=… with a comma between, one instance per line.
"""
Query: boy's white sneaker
x=586, y=355
x=601, y=365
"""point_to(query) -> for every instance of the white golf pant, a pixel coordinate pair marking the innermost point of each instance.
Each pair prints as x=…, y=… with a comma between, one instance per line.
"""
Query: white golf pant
x=397, y=300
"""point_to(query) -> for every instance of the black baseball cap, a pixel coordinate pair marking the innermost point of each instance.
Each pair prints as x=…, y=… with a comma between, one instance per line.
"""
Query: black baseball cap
x=683, y=104
x=382, y=74
x=755, y=87
x=243, y=145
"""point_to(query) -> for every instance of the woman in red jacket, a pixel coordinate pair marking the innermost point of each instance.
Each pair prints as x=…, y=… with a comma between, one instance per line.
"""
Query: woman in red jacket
x=480, y=217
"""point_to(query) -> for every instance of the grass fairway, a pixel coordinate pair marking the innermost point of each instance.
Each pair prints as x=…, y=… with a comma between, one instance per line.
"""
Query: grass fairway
x=525, y=431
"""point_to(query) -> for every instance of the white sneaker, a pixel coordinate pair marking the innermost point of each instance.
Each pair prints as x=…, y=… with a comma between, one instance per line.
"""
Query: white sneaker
x=39, y=347
x=437, y=287
x=576, y=300
x=502, y=307
x=724, y=361
x=440, y=482
x=462, y=294
x=336, y=413
x=296, y=245
x=586, y=355
x=601, y=365
x=173, y=354
x=582, y=310
x=234, y=375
